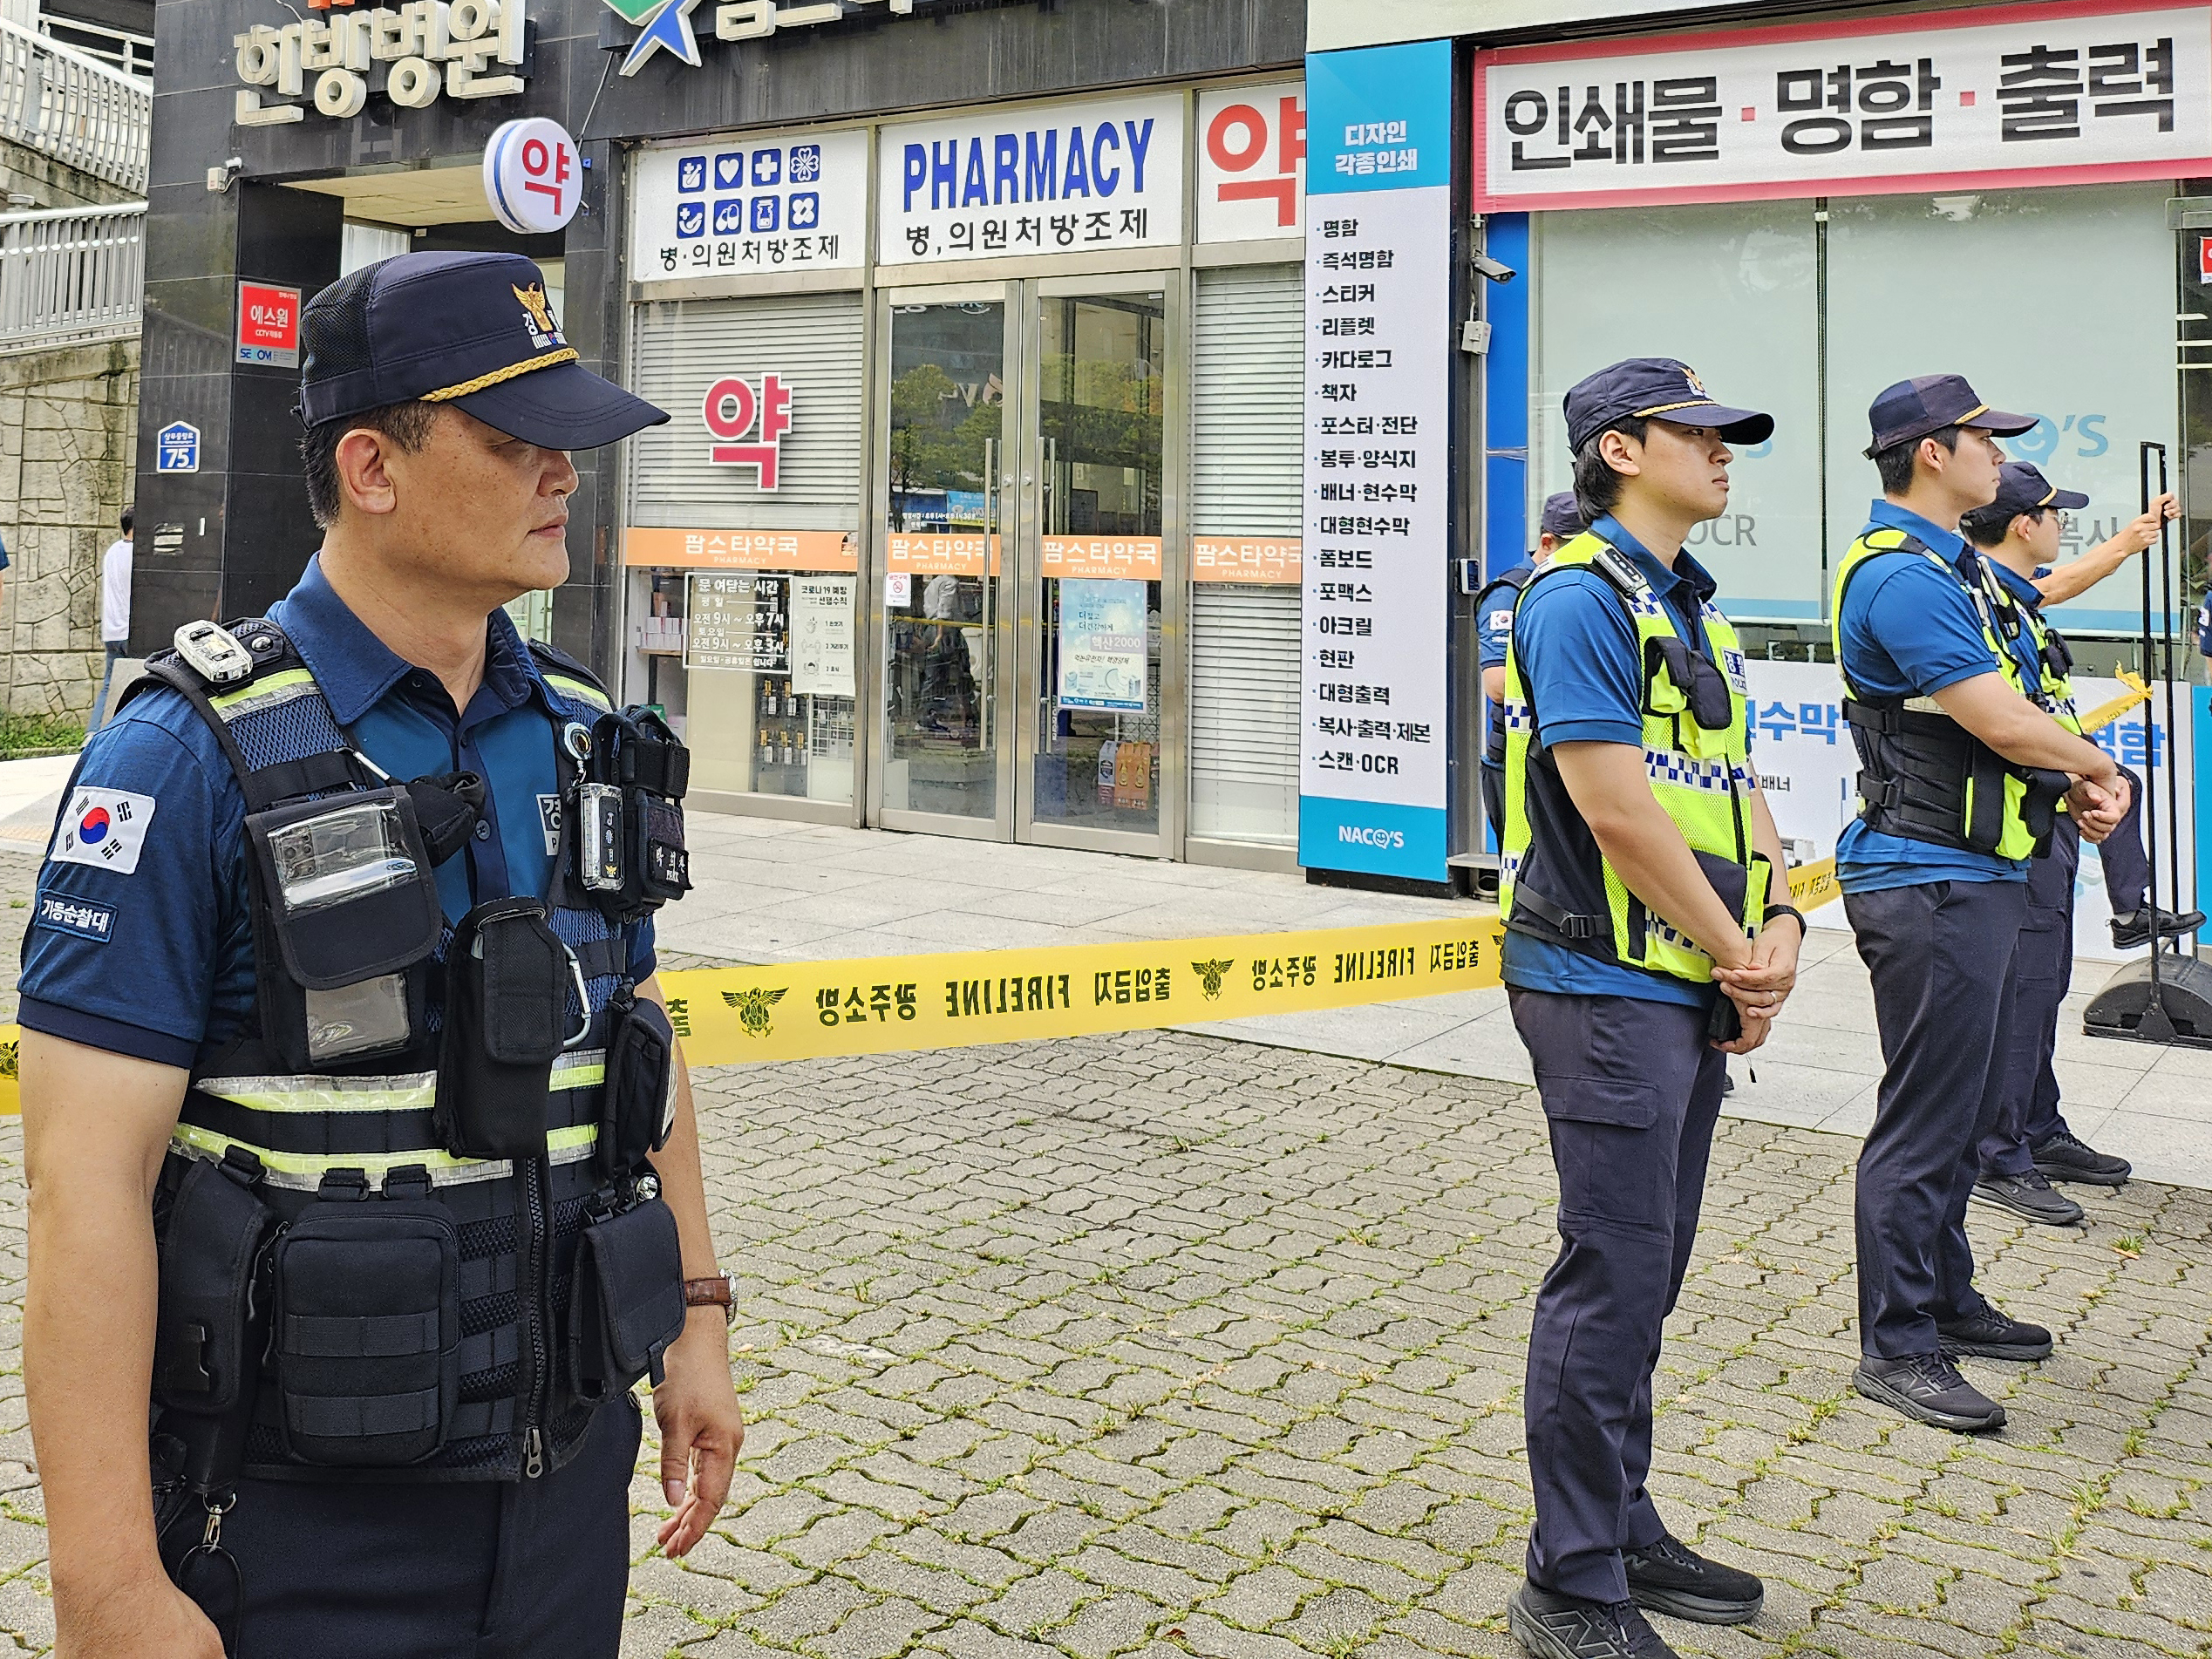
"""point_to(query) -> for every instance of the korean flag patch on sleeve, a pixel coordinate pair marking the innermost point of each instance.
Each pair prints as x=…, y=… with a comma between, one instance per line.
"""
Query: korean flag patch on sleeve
x=103, y=828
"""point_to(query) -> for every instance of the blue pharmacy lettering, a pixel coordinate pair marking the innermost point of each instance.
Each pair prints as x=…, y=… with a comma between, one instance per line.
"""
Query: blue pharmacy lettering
x=1042, y=176
x=1106, y=183
x=1040, y=165
x=1078, y=174
x=972, y=191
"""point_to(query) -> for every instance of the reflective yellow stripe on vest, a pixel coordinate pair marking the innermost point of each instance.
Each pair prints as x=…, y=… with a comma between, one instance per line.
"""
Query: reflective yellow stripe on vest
x=304, y=1171
x=1702, y=779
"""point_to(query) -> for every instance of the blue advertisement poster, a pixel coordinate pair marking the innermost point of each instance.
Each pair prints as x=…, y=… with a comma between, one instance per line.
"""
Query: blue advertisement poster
x=1102, y=645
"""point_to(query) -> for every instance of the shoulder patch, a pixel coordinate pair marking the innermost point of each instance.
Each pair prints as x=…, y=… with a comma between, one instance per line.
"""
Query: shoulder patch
x=80, y=916
x=104, y=828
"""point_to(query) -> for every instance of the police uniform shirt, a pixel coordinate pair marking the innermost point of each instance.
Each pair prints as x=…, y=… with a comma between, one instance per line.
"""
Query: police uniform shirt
x=1910, y=629
x=1581, y=668
x=1494, y=627
x=140, y=941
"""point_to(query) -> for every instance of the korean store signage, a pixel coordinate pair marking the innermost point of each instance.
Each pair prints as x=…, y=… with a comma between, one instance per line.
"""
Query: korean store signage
x=1372, y=696
x=1252, y=162
x=532, y=177
x=2036, y=94
x=268, y=325
x=466, y=48
x=760, y=202
x=749, y=418
x=1062, y=179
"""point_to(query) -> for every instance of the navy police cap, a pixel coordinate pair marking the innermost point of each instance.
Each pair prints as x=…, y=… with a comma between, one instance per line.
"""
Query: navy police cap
x=1927, y=403
x=1563, y=516
x=475, y=330
x=1656, y=389
x=2022, y=488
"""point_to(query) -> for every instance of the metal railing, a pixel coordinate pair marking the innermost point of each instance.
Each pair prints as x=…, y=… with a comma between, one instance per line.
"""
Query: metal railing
x=117, y=48
x=74, y=108
x=70, y=275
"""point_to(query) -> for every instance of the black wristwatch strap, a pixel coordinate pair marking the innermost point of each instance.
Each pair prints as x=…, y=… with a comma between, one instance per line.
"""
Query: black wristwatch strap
x=1791, y=910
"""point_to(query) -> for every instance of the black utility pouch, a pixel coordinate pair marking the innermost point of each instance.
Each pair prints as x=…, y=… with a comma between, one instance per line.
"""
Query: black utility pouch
x=366, y=1338
x=211, y=1321
x=508, y=979
x=626, y=1302
x=639, y=1112
x=346, y=905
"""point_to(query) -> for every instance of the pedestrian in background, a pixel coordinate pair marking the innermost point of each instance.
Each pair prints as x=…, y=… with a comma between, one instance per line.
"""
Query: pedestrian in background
x=1562, y=522
x=1962, y=775
x=115, y=613
x=1649, y=935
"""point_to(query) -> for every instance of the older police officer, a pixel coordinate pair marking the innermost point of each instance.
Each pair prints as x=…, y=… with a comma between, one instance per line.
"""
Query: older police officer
x=314, y=992
x=1560, y=523
x=1962, y=776
x=1649, y=930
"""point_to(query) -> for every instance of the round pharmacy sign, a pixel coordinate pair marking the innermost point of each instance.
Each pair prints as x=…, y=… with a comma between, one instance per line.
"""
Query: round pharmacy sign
x=532, y=176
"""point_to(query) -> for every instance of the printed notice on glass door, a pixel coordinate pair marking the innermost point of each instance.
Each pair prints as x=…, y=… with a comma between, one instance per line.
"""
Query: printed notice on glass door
x=1372, y=749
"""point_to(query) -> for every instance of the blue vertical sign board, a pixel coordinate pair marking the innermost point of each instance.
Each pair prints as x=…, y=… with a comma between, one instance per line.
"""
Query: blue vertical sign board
x=1372, y=752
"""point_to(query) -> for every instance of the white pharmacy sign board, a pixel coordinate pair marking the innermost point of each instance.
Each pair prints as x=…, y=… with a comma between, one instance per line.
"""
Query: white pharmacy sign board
x=1059, y=179
x=821, y=634
x=751, y=203
x=1372, y=703
x=532, y=176
x=1932, y=101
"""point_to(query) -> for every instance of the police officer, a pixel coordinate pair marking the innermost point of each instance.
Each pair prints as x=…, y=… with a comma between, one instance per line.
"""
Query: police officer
x=2017, y=538
x=1649, y=930
x=316, y=993
x=1561, y=523
x=1962, y=775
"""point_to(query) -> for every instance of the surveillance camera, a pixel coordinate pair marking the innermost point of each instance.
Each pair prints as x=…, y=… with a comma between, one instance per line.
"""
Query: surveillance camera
x=1496, y=270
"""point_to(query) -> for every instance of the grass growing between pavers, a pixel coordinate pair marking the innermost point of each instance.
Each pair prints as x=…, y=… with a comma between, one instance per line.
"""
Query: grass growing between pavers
x=1162, y=1344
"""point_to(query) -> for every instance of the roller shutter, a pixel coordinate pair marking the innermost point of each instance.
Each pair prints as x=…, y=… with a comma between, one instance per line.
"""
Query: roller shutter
x=812, y=343
x=1247, y=416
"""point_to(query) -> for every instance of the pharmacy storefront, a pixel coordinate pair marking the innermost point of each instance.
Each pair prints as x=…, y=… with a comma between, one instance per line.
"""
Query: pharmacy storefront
x=979, y=510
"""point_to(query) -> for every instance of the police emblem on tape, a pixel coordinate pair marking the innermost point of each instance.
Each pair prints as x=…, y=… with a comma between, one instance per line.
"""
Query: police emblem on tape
x=752, y=1007
x=104, y=828
x=1209, y=975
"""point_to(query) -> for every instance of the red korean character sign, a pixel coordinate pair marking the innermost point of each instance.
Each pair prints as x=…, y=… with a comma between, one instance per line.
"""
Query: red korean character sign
x=268, y=325
x=737, y=410
x=1252, y=162
x=532, y=176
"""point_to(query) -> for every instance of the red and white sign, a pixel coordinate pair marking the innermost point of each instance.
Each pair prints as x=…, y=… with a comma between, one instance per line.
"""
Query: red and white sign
x=735, y=409
x=532, y=176
x=1252, y=162
x=2204, y=259
x=268, y=325
x=2084, y=92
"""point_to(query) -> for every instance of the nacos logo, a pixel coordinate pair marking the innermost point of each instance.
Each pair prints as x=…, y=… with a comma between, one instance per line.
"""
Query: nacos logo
x=1389, y=840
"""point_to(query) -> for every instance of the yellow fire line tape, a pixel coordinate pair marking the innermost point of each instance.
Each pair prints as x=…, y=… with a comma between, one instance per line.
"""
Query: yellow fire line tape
x=953, y=999
x=2105, y=713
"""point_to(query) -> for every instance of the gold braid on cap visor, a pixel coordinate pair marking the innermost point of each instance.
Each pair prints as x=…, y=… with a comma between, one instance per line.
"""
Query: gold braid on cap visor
x=547, y=360
x=1668, y=409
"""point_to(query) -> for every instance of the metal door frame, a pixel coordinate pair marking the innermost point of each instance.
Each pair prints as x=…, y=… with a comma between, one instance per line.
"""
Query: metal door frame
x=1167, y=841
x=1007, y=295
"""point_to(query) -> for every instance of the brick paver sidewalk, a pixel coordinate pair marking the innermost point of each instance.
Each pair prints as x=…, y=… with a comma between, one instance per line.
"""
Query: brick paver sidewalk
x=1164, y=1345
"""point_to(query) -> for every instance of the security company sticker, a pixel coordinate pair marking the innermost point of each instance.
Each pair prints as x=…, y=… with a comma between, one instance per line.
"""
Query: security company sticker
x=103, y=828
x=79, y=916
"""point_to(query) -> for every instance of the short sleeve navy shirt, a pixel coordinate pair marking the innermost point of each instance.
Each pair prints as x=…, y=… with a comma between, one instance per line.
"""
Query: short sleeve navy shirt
x=1580, y=664
x=156, y=958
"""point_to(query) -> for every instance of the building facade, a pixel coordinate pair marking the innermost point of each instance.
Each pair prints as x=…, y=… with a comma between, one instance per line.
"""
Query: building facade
x=978, y=323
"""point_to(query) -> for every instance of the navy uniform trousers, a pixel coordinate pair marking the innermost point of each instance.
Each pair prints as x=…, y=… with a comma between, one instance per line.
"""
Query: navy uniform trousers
x=1940, y=956
x=518, y=1569
x=1631, y=1092
x=2045, y=972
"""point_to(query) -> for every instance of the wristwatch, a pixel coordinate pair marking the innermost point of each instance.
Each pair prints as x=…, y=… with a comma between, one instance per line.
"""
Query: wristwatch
x=720, y=1291
x=1790, y=910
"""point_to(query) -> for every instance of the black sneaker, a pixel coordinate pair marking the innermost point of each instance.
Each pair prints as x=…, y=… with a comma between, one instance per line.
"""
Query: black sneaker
x=1566, y=1627
x=1929, y=1388
x=2030, y=1197
x=2064, y=1159
x=1672, y=1578
x=2135, y=928
x=1990, y=1334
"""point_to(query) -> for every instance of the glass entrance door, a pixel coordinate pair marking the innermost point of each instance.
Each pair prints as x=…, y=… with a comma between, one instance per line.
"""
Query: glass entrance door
x=1024, y=449
x=1092, y=723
